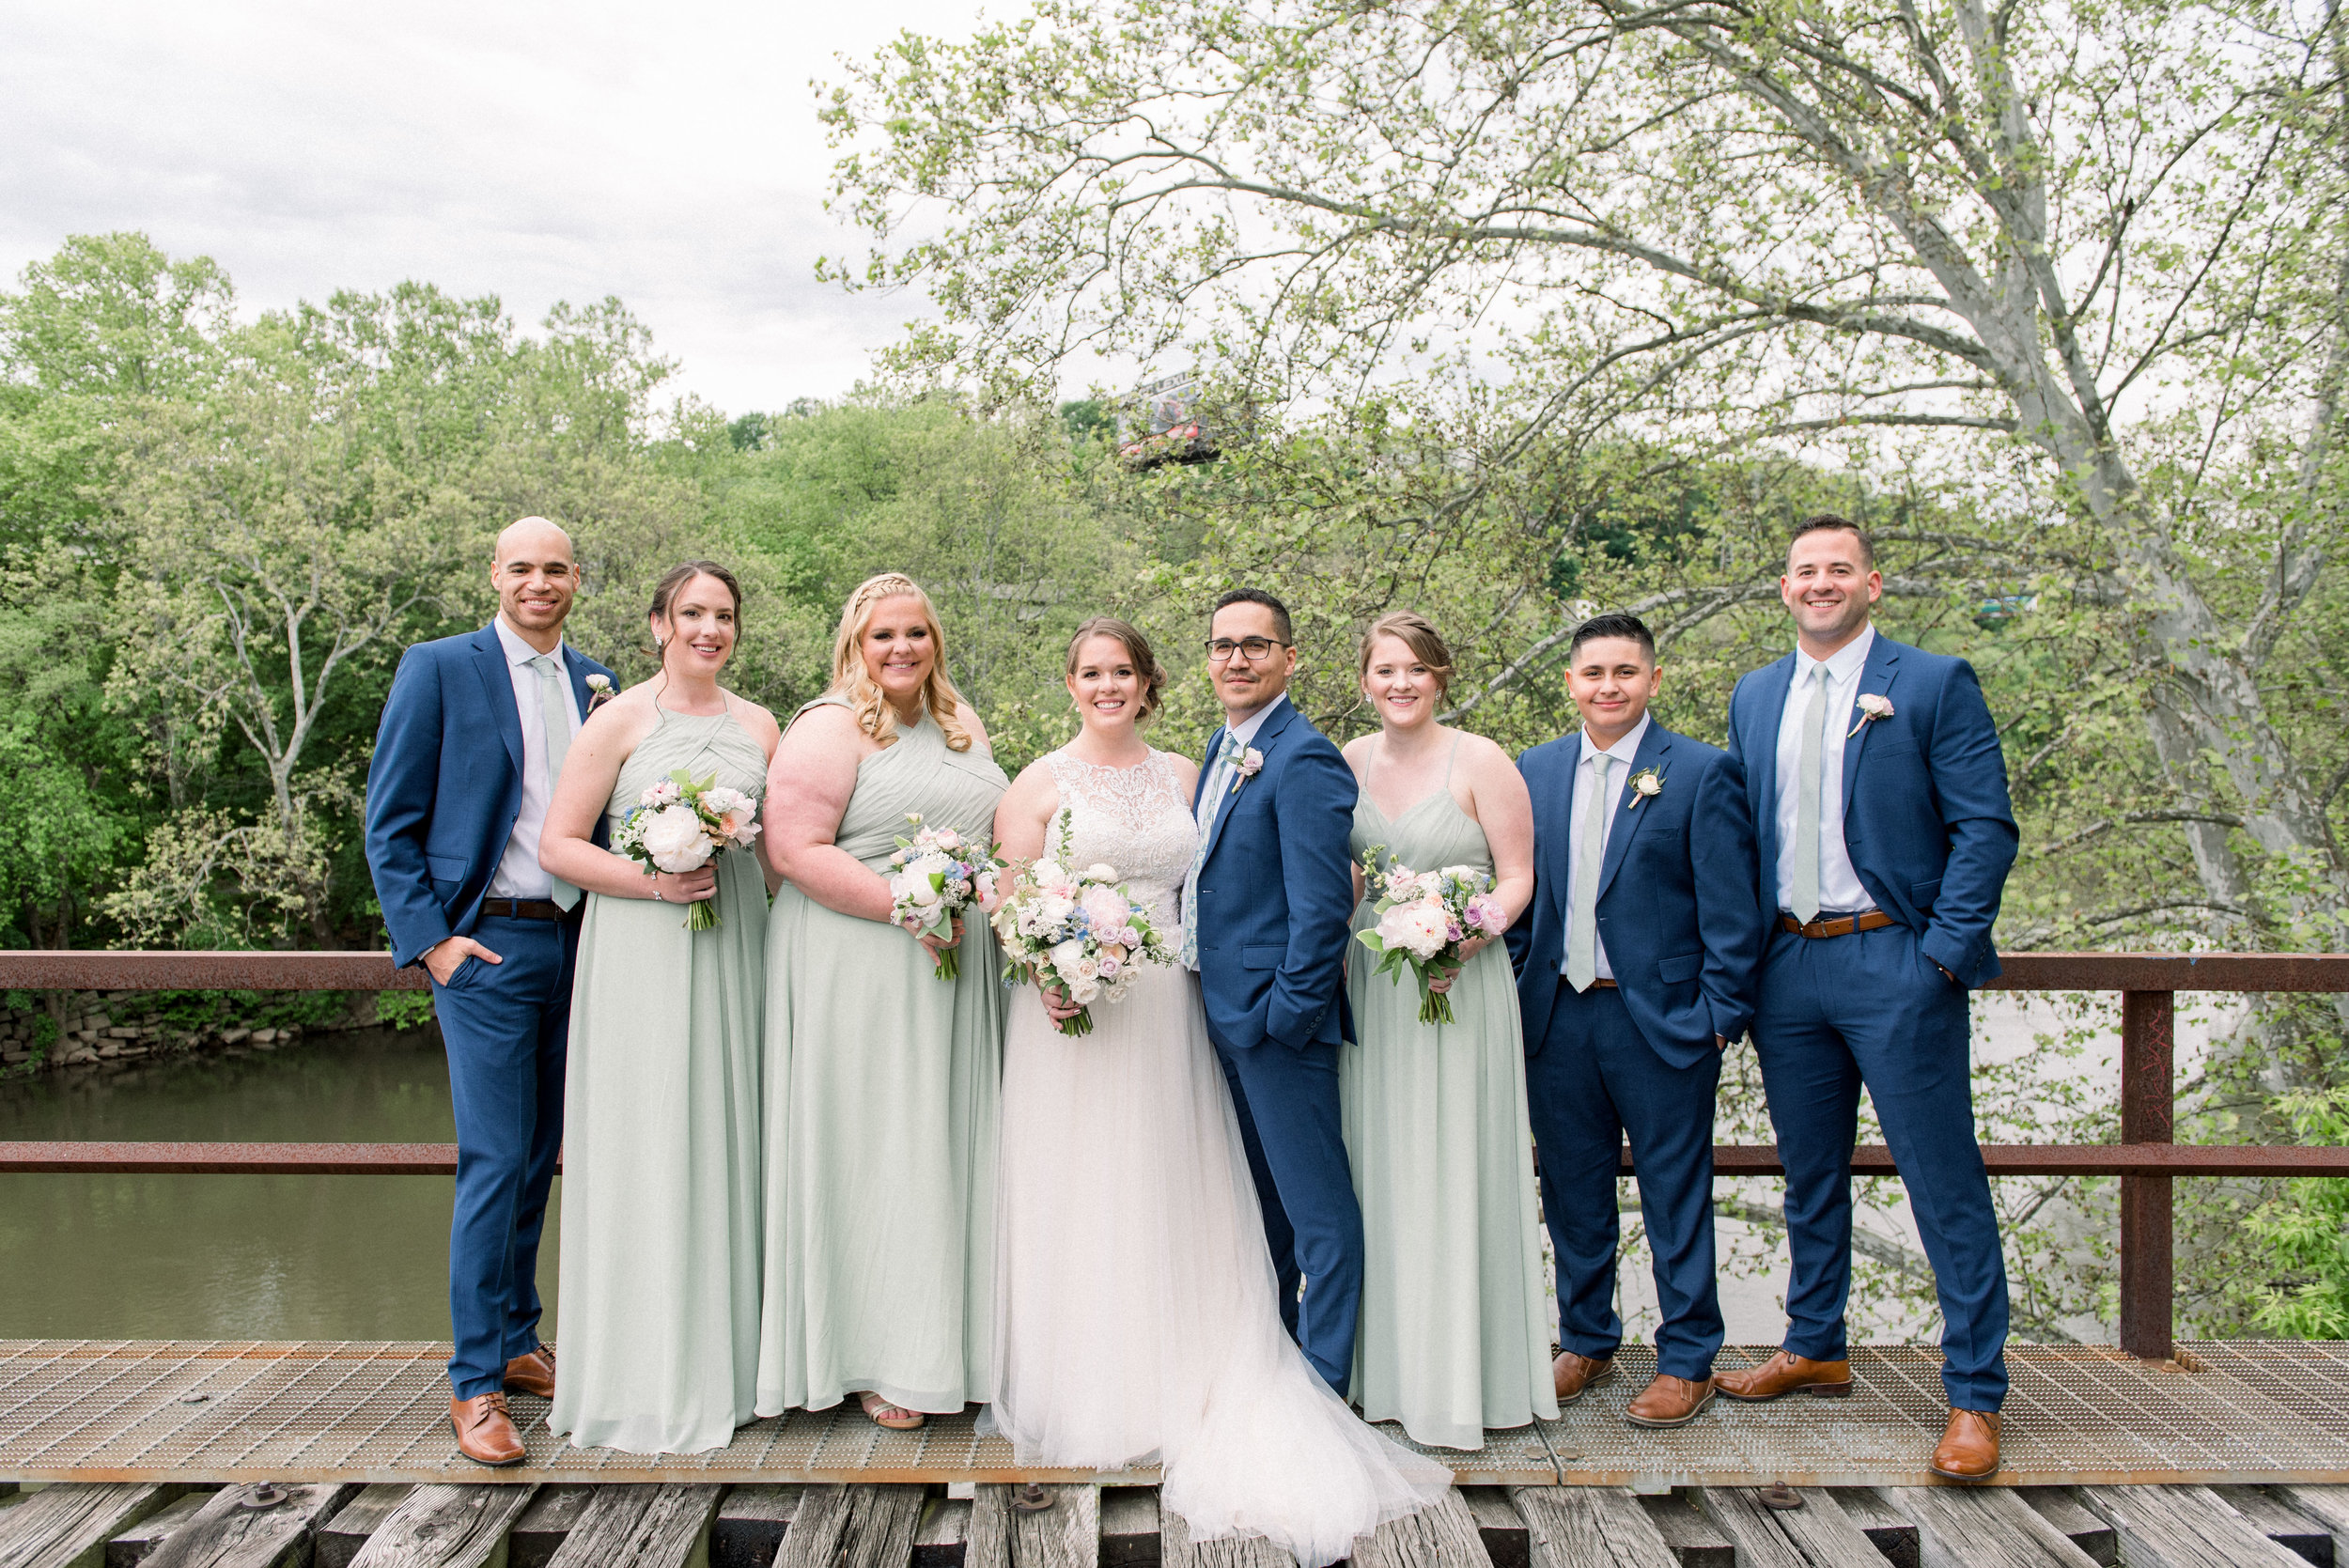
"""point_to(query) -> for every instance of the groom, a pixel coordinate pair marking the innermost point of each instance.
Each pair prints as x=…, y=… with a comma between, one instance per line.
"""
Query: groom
x=1266, y=910
x=472, y=737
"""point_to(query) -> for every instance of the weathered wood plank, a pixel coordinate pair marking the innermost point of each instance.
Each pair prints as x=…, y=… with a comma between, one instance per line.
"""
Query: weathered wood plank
x=1590, y=1527
x=1500, y=1526
x=1893, y=1532
x=1065, y=1535
x=447, y=1527
x=68, y=1526
x=641, y=1527
x=551, y=1514
x=1443, y=1536
x=852, y=1527
x=340, y=1537
x=1817, y=1535
x=226, y=1533
x=943, y=1533
x=2183, y=1527
x=752, y=1523
x=2326, y=1504
x=2306, y=1538
x=988, y=1542
x=137, y=1543
x=2090, y=1533
x=1177, y=1549
x=1129, y=1528
x=1986, y=1527
x=1694, y=1539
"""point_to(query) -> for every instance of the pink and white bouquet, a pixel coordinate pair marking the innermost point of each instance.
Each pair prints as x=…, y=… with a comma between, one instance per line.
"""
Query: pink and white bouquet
x=678, y=823
x=938, y=875
x=1079, y=931
x=1423, y=919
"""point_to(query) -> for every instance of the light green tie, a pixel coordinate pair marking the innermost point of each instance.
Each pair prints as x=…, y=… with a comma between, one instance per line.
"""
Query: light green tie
x=1589, y=855
x=1807, y=791
x=556, y=716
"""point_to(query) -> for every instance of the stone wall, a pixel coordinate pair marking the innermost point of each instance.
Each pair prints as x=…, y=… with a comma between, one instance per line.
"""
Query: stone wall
x=122, y=1026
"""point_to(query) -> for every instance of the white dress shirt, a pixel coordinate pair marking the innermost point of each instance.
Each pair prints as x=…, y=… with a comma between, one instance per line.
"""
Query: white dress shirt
x=1220, y=772
x=519, y=874
x=1585, y=776
x=1841, y=891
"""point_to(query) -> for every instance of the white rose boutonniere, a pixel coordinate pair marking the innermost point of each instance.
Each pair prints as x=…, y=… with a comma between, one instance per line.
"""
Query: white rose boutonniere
x=1646, y=785
x=1873, y=705
x=1251, y=763
x=598, y=691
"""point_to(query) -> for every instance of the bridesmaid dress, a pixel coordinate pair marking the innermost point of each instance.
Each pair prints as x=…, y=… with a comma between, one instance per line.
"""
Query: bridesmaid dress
x=1454, y=1334
x=882, y=1088
x=659, y=1267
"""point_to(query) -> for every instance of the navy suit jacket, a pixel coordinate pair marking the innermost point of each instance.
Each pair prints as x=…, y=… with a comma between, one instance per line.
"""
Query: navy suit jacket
x=447, y=784
x=1675, y=895
x=1276, y=893
x=1926, y=819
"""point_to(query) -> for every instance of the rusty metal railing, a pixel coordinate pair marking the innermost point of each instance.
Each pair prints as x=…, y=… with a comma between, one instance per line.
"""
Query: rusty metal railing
x=2146, y=1159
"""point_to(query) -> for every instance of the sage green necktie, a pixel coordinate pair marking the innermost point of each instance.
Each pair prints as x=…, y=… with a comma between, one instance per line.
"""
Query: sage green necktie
x=558, y=719
x=1807, y=792
x=1590, y=853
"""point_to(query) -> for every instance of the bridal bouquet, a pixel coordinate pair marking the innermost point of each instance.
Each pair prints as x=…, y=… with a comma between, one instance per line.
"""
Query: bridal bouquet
x=678, y=823
x=1424, y=916
x=1079, y=930
x=938, y=874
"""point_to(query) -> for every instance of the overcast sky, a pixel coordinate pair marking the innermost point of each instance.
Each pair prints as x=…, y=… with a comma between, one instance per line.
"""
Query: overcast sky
x=667, y=154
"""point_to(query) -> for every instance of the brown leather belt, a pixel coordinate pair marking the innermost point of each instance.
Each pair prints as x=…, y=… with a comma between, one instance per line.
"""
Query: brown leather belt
x=523, y=908
x=1842, y=925
x=1595, y=985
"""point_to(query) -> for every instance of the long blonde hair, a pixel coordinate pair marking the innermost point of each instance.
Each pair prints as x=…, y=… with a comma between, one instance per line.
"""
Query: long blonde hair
x=875, y=715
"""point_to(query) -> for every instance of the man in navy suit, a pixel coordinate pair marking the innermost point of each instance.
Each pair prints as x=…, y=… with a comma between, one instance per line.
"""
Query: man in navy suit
x=472, y=736
x=1266, y=910
x=1879, y=799
x=1634, y=971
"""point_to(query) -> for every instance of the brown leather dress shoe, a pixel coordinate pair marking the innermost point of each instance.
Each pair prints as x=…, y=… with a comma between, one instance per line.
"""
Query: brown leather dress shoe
x=1968, y=1449
x=485, y=1432
x=533, y=1374
x=1669, y=1401
x=1573, y=1374
x=1784, y=1374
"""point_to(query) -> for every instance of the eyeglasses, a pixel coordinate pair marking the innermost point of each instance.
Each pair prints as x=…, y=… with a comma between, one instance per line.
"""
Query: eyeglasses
x=1252, y=649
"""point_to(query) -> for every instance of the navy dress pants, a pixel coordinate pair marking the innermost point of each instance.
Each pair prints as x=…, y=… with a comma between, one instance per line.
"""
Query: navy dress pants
x=1594, y=1083
x=1869, y=1008
x=1289, y=1122
x=504, y=1027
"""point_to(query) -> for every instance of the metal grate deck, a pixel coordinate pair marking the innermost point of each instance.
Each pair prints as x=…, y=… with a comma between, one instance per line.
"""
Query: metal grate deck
x=2232, y=1412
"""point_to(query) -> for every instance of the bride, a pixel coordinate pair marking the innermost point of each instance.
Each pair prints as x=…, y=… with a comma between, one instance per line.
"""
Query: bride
x=1139, y=1306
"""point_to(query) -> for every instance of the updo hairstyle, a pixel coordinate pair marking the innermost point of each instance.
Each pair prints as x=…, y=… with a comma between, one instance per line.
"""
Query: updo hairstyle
x=1416, y=633
x=678, y=577
x=1136, y=650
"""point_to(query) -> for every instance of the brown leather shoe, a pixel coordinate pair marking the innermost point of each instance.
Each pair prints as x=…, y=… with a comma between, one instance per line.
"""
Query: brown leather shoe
x=1573, y=1374
x=1968, y=1449
x=533, y=1374
x=1669, y=1401
x=1784, y=1374
x=485, y=1432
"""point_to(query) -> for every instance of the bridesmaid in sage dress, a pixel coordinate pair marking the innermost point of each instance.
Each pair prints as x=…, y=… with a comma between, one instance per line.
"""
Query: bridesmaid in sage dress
x=1454, y=1334
x=883, y=1078
x=661, y=1183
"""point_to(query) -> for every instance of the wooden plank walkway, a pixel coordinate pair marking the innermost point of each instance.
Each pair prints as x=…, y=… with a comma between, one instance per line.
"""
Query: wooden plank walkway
x=907, y=1525
x=179, y=1412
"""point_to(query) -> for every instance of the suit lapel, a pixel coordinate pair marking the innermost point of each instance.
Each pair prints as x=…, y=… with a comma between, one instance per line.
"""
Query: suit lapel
x=575, y=665
x=1266, y=737
x=1884, y=656
x=1655, y=747
x=497, y=685
x=1554, y=862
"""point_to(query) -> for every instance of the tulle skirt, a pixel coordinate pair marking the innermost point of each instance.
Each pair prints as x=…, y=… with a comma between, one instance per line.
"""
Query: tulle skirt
x=1139, y=1314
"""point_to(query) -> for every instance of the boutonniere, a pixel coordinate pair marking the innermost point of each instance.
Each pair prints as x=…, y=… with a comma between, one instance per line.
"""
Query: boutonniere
x=1251, y=763
x=598, y=691
x=1646, y=785
x=1873, y=705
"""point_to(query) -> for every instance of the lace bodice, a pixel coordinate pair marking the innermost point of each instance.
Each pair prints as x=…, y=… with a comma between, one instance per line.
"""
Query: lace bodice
x=1136, y=819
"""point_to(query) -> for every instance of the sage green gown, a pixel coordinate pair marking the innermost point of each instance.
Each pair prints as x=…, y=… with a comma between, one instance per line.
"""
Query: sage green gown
x=660, y=1262
x=882, y=1088
x=1455, y=1332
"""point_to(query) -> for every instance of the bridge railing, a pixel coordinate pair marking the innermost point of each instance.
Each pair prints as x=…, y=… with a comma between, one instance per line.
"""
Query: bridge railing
x=2146, y=1159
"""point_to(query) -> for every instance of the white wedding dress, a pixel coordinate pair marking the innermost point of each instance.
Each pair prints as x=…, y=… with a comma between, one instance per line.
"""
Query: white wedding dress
x=1139, y=1312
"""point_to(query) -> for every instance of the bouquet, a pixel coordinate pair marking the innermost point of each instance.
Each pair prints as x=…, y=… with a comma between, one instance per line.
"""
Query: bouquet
x=678, y=823
x=938, y=874
x=1424, y=916
x=1080, y=930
